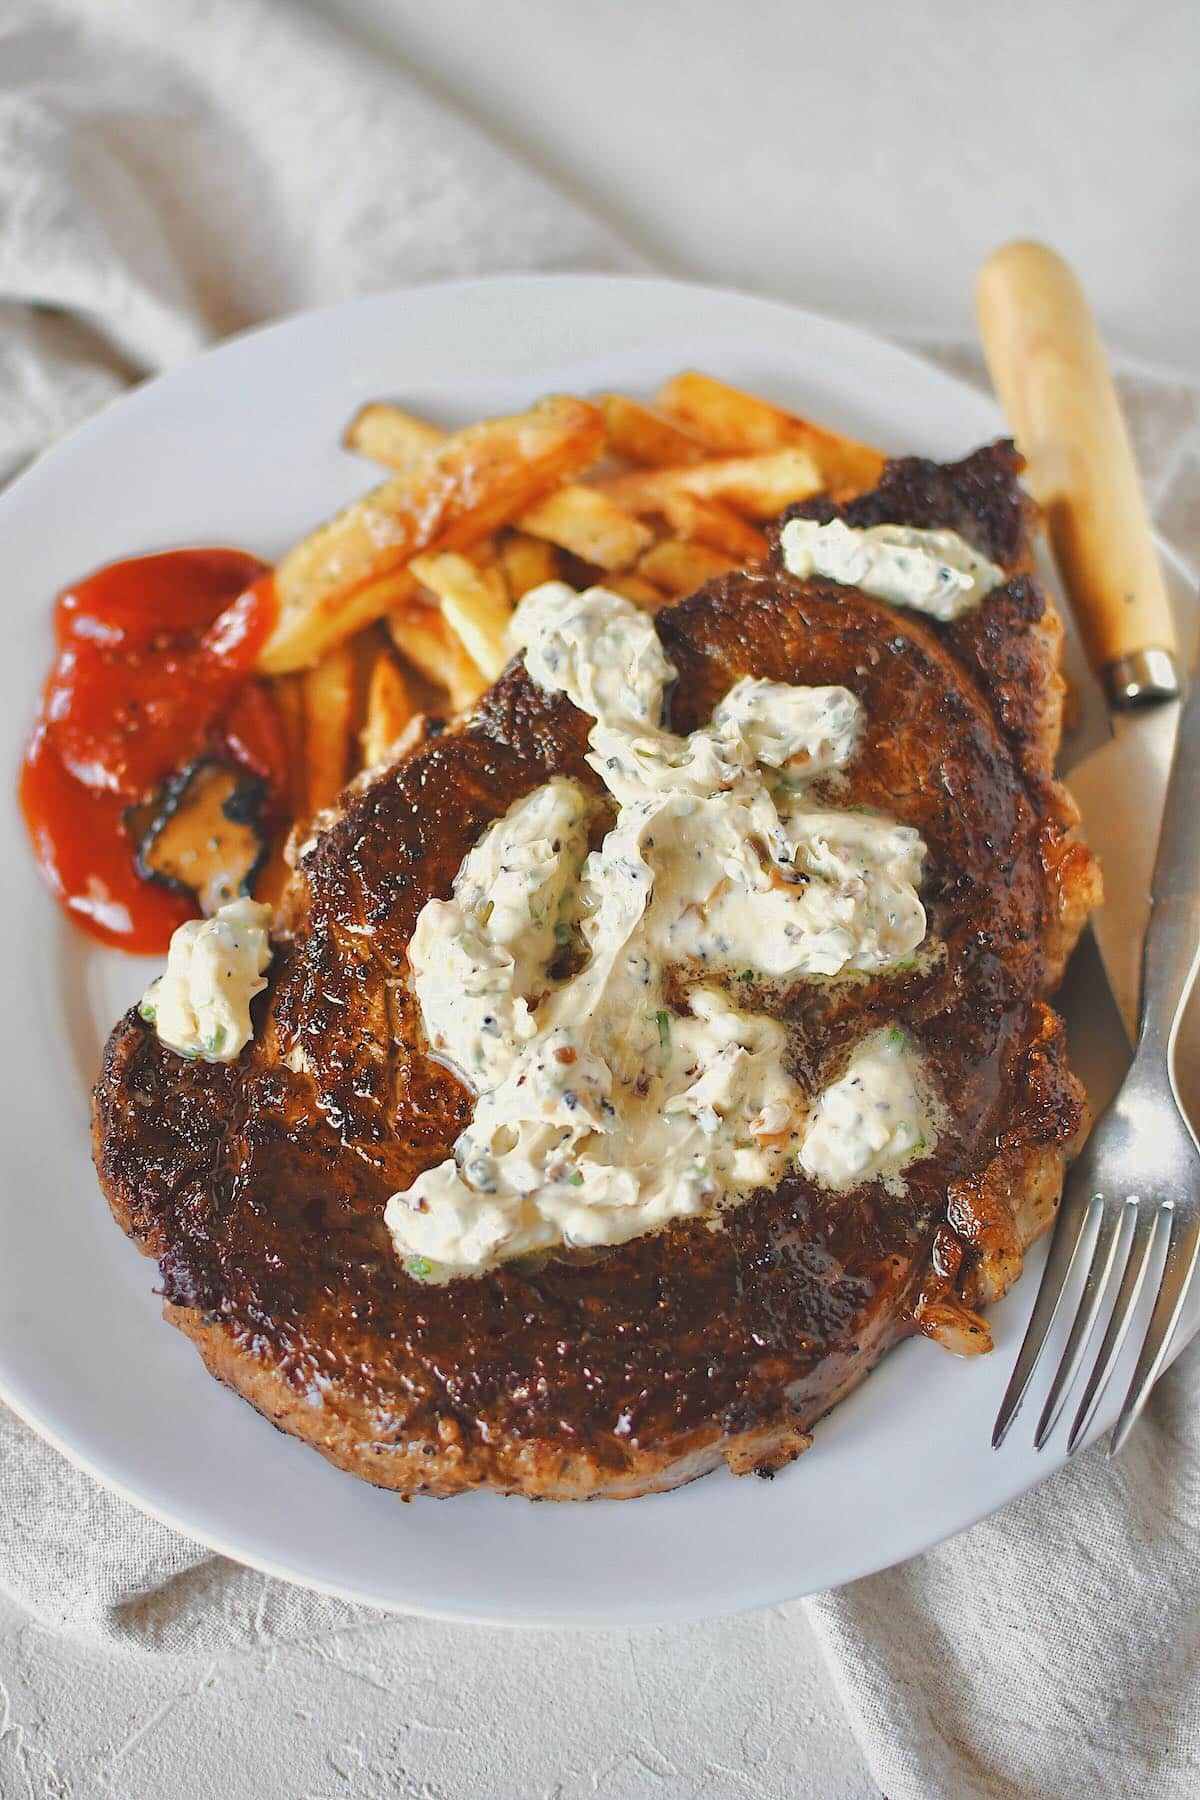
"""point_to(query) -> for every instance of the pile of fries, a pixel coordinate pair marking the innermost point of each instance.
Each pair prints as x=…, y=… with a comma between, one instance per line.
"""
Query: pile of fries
x=399, y=605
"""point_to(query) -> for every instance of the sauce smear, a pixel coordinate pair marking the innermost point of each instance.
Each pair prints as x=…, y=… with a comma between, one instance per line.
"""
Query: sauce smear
x=145, y=680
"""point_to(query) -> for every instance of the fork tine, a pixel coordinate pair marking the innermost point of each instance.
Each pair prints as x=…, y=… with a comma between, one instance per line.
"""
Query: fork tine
x=1182, y=1248
x=1074, y=1222
x=1095, y=1287
x=1120, y=1319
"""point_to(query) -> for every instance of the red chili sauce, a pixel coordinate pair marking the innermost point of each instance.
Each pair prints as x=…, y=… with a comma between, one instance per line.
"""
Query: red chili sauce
x=153, y=670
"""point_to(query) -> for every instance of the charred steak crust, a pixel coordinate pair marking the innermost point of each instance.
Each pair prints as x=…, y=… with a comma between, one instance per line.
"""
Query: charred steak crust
x=260, y=1186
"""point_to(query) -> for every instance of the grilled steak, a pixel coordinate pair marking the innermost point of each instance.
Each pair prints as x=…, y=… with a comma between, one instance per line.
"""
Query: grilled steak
x=260, y=1186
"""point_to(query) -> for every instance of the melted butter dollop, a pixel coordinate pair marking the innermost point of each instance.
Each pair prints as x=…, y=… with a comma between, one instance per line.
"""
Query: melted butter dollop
x=872, y=1119
x=200, y=1005
x=934, y=572
x=610, y=1098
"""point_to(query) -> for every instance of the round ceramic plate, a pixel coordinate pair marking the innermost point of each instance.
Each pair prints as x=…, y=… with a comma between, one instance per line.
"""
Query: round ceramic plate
x=242, y=447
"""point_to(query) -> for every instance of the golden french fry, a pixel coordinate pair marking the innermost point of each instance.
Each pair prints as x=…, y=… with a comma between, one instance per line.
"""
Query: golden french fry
x=635, y=588
x=328, y=691
x=589, y=525
x=389, y=435
x=492, y=577
x=273, y=877
x=725, y=419
x=730, y=422
x=389, y=709
x=448, y=497
x=485, y=554
x=759, y=485
x=372, y=601
x=527, y=562
x=485, y=559
x=712, y=522
x=642, y=436
x=422, y=636
x=679, y=568
x=289, y=699
x=469, y=607
x=849, y=468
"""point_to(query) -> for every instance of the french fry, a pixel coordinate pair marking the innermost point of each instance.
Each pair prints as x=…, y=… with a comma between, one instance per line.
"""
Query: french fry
x=589, y=525
x=679, y=568
x=274, y=874
x=726, y=420
x=849, y=468
x=642, y=436
x=422, y=636
x=469, y=607
x=759, y=485
x=447, y=498
x=364, y=647
x=485, y=554
x=712, y=522
x=492, y=577
x=389, y=709
x=485, y=559
x=635, y=588
x=289, y=698
x=389, y=435
x=527, y=562
x=730, y=422
x=328, y=691
x=273, y=877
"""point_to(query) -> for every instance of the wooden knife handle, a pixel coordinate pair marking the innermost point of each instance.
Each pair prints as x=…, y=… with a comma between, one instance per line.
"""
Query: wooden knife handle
x=1052, y=378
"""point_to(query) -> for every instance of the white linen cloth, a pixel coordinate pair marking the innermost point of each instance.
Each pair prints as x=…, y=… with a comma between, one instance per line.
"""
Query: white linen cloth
x=171, y=172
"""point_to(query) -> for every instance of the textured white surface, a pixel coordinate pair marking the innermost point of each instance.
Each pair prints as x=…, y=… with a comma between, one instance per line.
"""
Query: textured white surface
x=859, y=158
x=431, y=1712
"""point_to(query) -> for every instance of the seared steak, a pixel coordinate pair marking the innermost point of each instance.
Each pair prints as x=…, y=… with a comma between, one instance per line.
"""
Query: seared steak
x=260, y=1186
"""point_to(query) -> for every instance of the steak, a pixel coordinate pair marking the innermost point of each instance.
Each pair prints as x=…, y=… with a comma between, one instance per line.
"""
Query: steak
x=260, y=1185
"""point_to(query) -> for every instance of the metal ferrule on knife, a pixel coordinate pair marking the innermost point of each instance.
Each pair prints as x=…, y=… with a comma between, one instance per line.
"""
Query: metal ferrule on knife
x=1142, y=677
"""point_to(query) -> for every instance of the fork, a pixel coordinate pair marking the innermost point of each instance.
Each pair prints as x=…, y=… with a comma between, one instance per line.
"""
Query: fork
x=1137, y=1183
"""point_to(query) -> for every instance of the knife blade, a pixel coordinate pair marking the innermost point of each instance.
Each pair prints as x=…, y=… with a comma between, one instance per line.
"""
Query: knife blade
x=1052, y=378
x=1119, y=790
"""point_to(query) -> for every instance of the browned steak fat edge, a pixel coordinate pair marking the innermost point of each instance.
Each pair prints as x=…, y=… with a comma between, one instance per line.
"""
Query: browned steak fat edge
x=260, y=1187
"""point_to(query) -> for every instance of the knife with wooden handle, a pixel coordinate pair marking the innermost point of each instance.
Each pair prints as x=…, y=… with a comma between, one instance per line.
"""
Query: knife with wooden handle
x=1053, y=380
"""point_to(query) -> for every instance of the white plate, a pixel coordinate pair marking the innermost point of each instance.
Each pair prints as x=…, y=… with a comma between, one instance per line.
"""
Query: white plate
x=241, y=447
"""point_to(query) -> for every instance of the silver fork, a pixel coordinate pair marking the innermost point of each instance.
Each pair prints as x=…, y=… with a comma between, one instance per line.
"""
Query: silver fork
x=1137, y=1182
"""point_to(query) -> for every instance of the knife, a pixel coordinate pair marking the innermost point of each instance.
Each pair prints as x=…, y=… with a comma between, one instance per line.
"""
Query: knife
x=1052, y=378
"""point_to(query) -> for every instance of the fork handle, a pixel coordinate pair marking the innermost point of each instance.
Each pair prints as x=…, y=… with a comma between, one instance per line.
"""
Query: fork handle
x=1172, y=948
x=1177, y=864
x=1169, y=965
